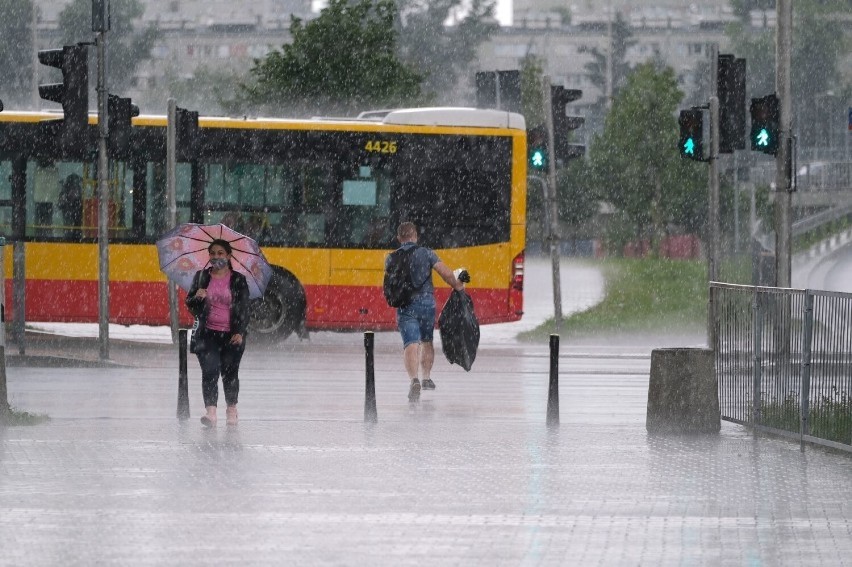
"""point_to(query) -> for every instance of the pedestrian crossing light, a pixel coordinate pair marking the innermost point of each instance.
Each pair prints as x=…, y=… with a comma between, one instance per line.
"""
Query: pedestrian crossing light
x=764, y=124
x=537, y=144
x=691, y=142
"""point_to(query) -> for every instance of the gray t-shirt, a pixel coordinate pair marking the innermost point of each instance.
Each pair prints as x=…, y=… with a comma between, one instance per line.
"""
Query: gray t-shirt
x=422, y=261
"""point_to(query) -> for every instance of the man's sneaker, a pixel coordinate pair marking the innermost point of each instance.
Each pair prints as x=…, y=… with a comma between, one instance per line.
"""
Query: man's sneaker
x=414, y=391
x=428, y=384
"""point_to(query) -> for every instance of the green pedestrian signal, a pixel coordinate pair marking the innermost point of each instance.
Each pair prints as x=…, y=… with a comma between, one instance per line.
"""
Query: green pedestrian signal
x=537, y=159
x=537, y=144
x=765, y=118
x=763, y=138
x=691, y=144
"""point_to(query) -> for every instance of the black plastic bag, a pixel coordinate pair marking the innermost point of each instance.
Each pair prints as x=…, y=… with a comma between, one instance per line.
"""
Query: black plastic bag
x=459, y=330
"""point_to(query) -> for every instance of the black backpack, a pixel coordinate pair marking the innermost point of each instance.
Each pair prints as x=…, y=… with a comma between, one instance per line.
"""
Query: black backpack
x=398, y=284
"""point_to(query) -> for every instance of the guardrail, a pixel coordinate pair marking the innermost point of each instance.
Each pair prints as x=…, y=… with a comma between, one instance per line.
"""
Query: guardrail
x=784, y=361
x=812, y=222
x=824, y=176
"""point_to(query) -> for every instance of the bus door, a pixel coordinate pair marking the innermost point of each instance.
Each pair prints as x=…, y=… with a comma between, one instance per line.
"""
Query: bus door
x=363, y=235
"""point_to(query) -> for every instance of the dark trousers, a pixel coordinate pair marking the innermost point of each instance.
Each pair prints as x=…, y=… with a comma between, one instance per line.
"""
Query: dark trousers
x=217, y=356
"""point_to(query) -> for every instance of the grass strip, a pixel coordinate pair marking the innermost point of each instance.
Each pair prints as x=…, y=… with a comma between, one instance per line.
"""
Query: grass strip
x=14, y=417
x=641, y=295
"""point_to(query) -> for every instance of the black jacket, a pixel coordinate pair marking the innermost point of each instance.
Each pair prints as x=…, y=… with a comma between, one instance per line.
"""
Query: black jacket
x=239, y=300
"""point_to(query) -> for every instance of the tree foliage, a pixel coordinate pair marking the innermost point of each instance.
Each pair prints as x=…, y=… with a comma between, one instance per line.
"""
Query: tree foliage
x=16, y=18
x=127, y=47
x=440, y=52
x=343, y=61
x=577, y=196
x=634, y=162
x=532, y=101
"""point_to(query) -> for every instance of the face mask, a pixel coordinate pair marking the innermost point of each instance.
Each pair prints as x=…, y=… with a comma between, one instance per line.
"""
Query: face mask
x=218, y=263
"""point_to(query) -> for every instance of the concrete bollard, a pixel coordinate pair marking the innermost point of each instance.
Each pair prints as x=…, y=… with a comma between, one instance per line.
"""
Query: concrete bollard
x=370, y=413
x=183, y=382
x=683, y=395
x=553, y=387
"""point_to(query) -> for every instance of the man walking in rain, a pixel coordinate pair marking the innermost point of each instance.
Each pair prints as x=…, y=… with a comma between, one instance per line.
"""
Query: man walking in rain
x=416, y=320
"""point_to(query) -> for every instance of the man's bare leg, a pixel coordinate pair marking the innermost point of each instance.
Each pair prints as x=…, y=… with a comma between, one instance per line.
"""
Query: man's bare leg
x=411, y=354
x=427, y=359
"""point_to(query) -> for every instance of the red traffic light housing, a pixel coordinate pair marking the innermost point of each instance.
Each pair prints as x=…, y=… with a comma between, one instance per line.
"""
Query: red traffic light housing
x=72, y=93
x=564, y=124
x=731, y=87
x=120, y=112
x=186, y=134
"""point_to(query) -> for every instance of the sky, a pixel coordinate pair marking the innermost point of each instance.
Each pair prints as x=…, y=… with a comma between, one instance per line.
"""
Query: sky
x=504, y=12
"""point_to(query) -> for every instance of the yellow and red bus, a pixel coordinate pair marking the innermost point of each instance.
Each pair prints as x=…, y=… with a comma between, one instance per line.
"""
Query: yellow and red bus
x=322, y=196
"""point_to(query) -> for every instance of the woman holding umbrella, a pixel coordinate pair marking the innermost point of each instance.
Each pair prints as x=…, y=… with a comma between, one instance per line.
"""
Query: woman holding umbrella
x=219, y=298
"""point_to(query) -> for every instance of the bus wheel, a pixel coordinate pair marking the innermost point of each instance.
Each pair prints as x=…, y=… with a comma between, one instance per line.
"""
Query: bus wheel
x=281, y=310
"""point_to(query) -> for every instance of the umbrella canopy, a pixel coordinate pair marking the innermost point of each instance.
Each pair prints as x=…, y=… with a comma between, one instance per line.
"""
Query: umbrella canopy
x=183, y=251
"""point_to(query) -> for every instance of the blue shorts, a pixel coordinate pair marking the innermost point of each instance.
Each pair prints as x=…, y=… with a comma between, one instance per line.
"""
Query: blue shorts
x=416, y=321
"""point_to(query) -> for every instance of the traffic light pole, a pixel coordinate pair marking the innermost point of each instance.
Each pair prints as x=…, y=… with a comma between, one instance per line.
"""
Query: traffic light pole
x=171, y=182
x=551, y=207
x=103, y=202
x=783, y=159
x=714, y=256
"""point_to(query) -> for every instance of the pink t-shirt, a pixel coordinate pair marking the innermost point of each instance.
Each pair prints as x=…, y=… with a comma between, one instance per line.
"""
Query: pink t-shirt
x=219, y=299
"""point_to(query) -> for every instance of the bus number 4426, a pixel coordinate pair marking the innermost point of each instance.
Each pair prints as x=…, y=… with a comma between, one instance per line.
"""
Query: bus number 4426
x=381, y=146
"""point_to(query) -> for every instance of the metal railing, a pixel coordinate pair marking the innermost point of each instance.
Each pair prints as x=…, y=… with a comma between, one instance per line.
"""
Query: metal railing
x=784, y=361
x=831, y=176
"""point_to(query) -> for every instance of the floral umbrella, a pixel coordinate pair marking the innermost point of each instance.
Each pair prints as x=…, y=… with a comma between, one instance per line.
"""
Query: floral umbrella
x=183, y=251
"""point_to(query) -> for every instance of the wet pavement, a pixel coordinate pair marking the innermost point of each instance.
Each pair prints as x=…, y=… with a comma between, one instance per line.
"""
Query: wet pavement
x=471, y=475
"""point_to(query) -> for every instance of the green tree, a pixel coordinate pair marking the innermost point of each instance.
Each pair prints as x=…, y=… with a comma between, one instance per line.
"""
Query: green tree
x=127, y=47
x=818, y=44
x=343, y=61
x=440, y=52
x=532, y=101
x=16, y=17
x=634, y=162
x=576, y=193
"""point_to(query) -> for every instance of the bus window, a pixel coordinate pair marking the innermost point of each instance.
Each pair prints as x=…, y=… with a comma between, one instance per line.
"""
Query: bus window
x=55, y=199
x=157, y=202
x=366, y=209
x=458, y=193
x=43, y=184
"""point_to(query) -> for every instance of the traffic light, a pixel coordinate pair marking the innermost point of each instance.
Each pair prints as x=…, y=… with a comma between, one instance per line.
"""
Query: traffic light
x=564, y=124
x=120, y=113
x=731, y=86
x=691, y=142
x=537, y=148
x=765, y=118
x=72, y=93
x=186, y=134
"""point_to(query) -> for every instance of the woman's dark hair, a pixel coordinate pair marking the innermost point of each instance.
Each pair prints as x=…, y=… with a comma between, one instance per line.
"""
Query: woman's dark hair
x=223, y=243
